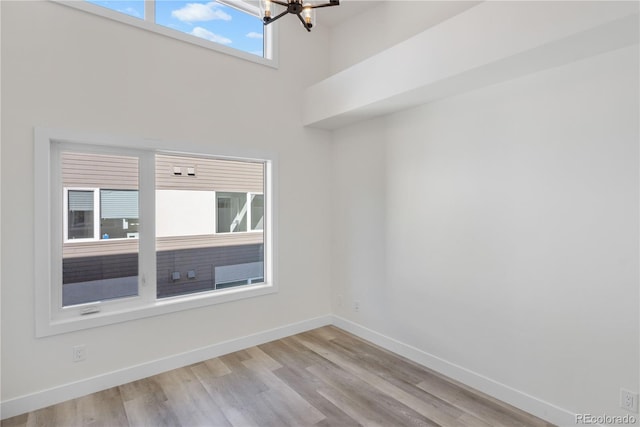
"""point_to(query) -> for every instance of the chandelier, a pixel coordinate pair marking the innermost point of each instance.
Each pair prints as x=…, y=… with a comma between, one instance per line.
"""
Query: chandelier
x=304, y=10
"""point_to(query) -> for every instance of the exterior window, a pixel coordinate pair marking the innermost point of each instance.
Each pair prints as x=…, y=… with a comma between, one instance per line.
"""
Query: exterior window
x=119, y=214
x=80, y=223
x=232, y=212
x=125, y=234
x=236, y=210
x=257, y=211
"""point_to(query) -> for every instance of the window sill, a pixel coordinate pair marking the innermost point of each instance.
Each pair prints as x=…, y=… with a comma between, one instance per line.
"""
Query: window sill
x=165, y=306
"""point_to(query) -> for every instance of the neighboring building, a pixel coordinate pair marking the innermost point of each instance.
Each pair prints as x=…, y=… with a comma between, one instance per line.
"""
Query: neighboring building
x=209, y=222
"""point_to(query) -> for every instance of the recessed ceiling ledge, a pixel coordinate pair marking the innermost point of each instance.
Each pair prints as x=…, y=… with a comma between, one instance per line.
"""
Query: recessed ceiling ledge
x=487, y=44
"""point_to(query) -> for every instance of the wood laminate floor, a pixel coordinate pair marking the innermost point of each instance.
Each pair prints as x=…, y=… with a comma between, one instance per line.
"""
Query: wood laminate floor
x=325, y=377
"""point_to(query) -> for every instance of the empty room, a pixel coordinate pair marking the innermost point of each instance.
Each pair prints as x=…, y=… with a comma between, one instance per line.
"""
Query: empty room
x=319, y=213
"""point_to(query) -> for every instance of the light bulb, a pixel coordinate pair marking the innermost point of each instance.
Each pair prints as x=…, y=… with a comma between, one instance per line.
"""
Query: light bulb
x=265, y=8
x=309, y=15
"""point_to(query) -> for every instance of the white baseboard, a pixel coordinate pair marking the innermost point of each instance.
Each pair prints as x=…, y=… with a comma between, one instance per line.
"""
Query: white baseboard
x=44, y=398
x=517, y=398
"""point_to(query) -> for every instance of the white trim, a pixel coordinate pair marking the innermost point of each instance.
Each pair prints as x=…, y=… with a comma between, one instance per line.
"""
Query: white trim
x=270, y=53
x=42, y=228
x=50, y=318
x=44, y=398
x=147, y=271
x=74, y=317
x=149, y=10
x=503, y=392
x=242, y=6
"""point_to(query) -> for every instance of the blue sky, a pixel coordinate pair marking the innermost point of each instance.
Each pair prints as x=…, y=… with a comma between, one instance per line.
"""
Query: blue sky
x=205, y=19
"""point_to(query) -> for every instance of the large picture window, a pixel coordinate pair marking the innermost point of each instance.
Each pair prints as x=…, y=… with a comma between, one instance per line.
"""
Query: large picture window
x=137, y=232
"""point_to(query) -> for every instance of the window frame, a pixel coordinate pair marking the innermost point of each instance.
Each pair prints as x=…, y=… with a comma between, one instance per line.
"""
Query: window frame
x=270, y=40
x=51, y=317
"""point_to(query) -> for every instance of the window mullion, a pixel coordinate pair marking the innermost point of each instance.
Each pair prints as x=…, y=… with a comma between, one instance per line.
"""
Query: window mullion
x=216, y=213
x=150, y=11
x=56, y=211
x=65, y=213
x=248, y=212
x=147, y=228
x=96, y=214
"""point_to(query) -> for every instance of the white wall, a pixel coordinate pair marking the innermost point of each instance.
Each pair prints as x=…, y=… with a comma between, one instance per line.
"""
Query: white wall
x=498, y=231
x=384, y=25
x=63, y=68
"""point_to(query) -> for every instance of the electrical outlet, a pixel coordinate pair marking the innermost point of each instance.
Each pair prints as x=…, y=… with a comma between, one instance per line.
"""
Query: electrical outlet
x=79, y=353
x=628, y=400
x=356, y=305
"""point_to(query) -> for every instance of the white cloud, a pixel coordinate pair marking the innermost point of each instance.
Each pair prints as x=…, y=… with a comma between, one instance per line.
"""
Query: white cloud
x=131, y=11
x=195, y=12
x=208, y=35
x=254, y=35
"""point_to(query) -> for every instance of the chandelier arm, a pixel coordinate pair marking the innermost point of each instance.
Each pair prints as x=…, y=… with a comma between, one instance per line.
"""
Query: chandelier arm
x=295, y=7
x=277, y=17
x=337, y=3
x=304, y=24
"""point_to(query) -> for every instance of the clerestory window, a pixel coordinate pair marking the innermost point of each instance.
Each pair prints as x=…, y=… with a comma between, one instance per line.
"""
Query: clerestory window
x=229, y=26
